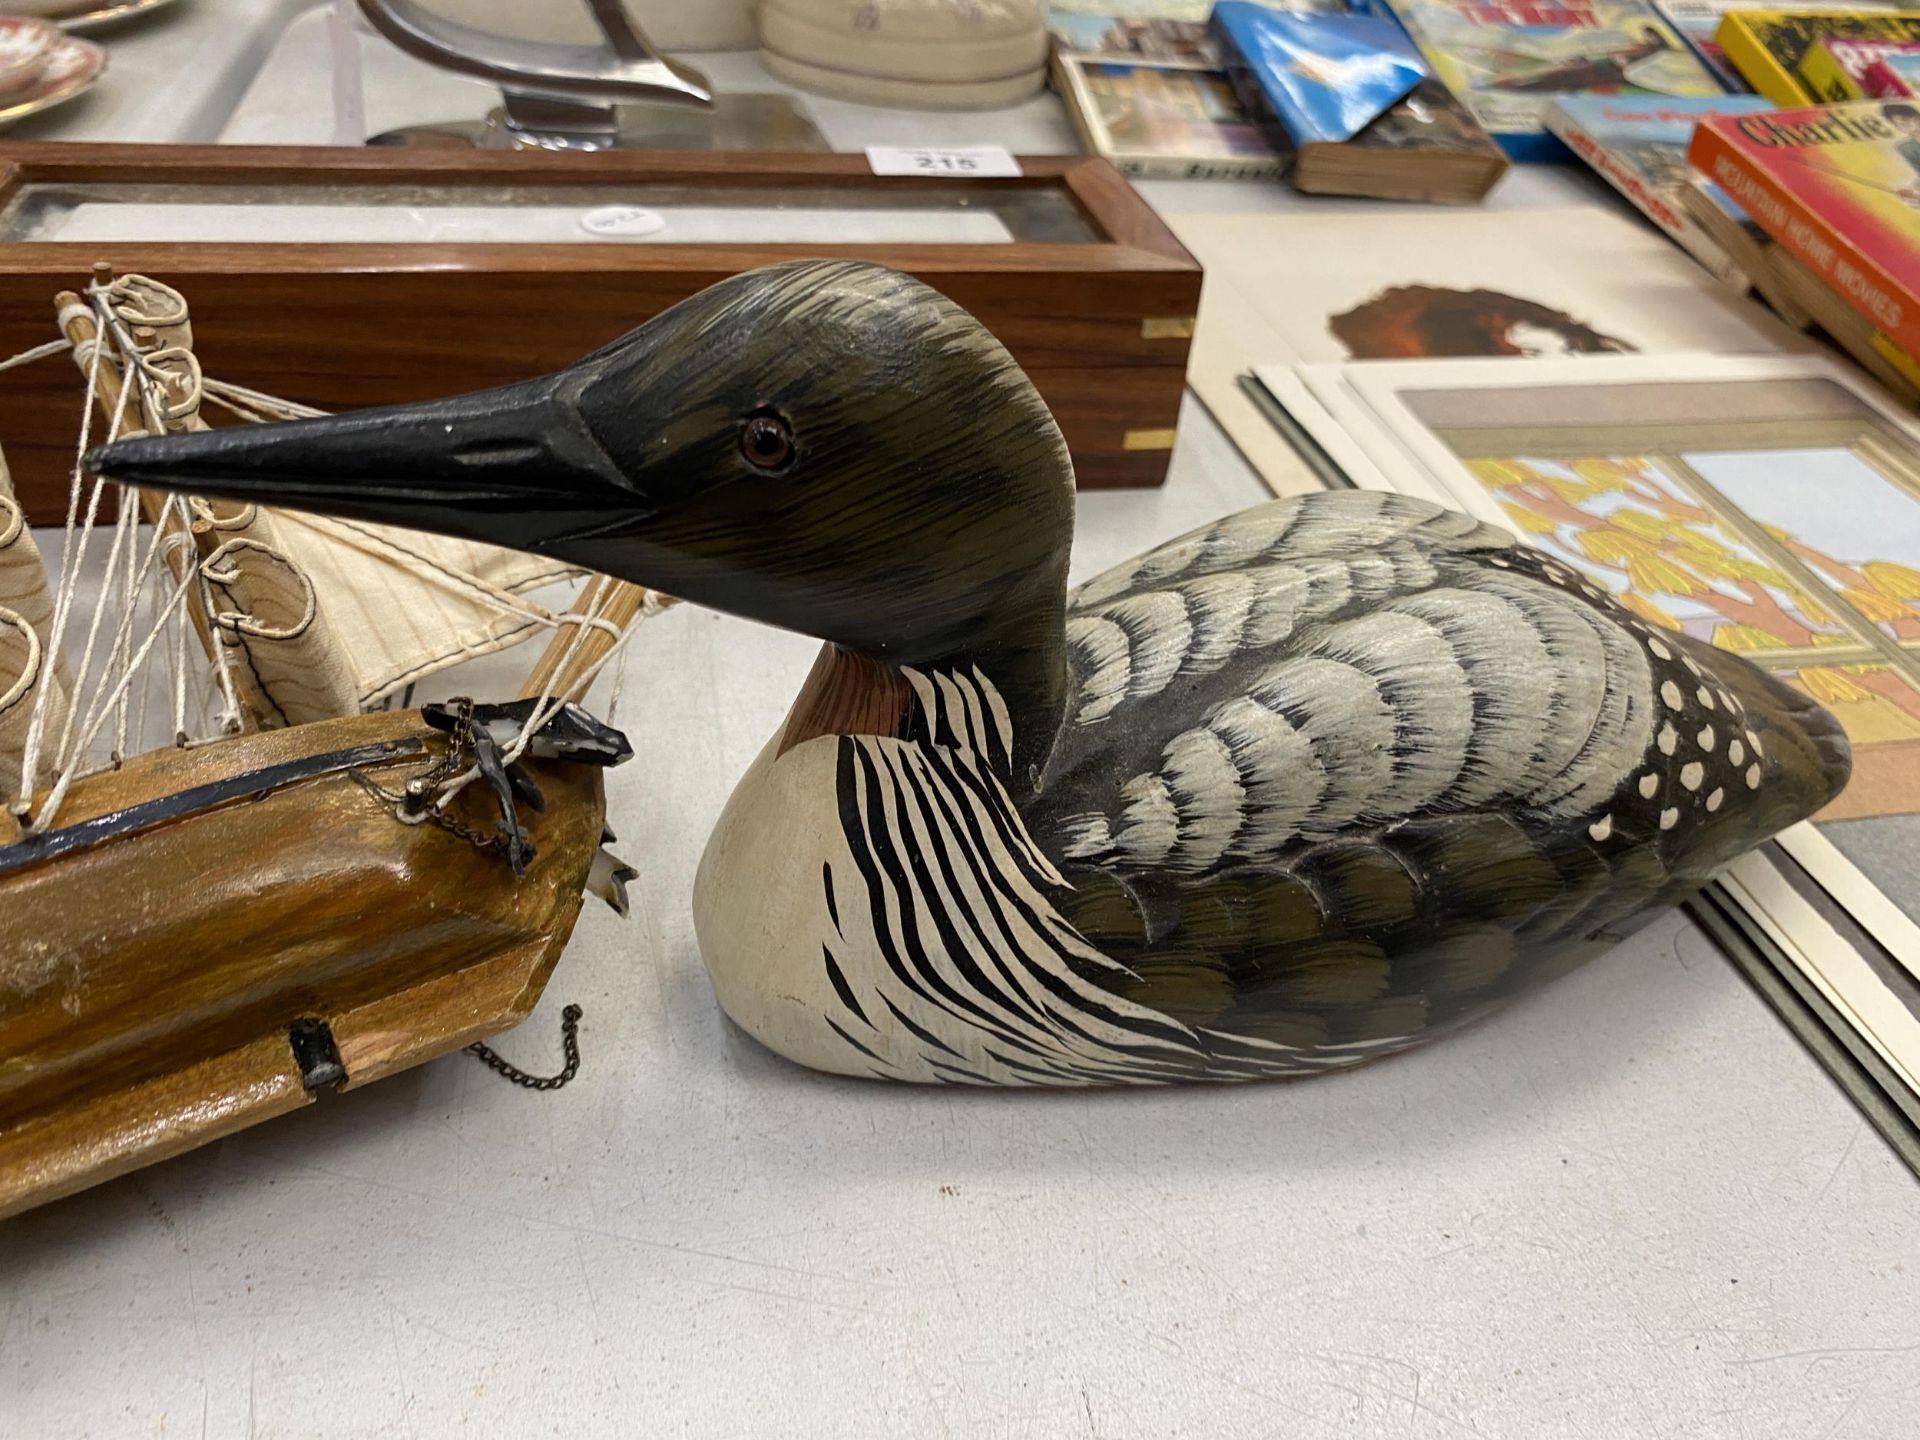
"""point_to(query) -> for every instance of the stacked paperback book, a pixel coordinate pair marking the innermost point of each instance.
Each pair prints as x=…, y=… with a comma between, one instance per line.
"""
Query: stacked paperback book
x=1341, y=104
x=1395, y=99
x=1836, y=192
x=1816, y=208
x=1640, y=148
x=1351, y=99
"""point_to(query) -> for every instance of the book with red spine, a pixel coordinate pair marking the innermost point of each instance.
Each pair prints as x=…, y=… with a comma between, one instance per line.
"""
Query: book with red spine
x=1839, y=188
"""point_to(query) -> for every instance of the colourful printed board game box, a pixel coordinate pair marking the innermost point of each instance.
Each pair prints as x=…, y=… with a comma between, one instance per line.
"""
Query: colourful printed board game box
x=1839, y=189
x=1767, y=46
x=1834, y=71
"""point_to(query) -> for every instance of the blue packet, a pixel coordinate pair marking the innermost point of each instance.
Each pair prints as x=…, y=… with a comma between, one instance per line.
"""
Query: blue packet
x=1325, y=77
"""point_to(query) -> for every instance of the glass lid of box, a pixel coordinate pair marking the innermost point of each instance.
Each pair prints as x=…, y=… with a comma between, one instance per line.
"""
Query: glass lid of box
x=605, y=212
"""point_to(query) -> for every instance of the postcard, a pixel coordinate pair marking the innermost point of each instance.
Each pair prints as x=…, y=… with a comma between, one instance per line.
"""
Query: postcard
x=1164, y=120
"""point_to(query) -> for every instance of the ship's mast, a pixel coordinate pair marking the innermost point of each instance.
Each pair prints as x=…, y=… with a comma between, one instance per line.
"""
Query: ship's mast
x=29, y=661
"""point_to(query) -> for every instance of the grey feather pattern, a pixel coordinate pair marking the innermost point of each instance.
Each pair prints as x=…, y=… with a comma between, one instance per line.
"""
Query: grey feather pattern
x=1158, y=633
x=1504, y=744
x=1429, y=693
x=1347, y=726
x=1369, y=659
x=1102, y=654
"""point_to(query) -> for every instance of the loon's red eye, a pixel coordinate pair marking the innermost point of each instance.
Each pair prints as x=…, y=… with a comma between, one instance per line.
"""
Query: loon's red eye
x=767, y=442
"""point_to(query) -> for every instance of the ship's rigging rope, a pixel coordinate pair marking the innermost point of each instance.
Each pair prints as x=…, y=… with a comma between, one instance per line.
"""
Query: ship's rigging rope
x=98, y=699
x=162, y=383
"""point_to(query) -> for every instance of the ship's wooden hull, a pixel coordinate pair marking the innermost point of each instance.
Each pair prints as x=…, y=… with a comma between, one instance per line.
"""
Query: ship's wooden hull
x=157, y=950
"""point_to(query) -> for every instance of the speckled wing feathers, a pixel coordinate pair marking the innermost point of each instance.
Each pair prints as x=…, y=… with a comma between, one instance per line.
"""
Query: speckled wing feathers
x=1409, y=772
x=1310, y=693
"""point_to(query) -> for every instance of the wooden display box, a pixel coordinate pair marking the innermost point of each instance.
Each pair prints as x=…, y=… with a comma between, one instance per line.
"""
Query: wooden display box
x=1076, y=274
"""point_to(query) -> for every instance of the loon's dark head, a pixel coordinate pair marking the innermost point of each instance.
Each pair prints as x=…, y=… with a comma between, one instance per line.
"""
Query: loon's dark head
x=828, y=446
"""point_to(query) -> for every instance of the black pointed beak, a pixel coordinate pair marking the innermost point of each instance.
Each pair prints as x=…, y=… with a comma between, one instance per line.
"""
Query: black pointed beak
x=515, y=466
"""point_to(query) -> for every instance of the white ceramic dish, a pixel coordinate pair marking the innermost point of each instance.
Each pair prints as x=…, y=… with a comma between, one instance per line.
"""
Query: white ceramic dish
x=26, y=43
x=85, y=16
x=72, y=67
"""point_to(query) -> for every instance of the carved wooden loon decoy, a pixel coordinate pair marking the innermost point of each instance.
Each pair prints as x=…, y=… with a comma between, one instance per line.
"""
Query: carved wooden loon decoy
x=1310, y=785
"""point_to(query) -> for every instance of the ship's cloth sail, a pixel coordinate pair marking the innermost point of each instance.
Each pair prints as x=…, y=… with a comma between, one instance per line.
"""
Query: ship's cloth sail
x=303, y=618
x=321, y=618
x=28, y=658
x=333, y=617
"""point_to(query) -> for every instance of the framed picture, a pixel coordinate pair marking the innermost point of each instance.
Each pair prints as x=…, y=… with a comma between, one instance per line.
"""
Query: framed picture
x=349, y=277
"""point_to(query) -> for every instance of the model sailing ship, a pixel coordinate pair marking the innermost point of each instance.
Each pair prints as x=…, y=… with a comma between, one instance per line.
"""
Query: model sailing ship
x=321, y=891
x=1319, y=782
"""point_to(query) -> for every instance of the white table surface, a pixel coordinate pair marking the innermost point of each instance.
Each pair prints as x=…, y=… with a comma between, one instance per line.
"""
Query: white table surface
x=1628, y=1207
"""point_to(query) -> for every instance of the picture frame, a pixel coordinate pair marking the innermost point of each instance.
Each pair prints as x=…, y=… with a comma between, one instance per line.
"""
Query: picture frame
x=1091, y=293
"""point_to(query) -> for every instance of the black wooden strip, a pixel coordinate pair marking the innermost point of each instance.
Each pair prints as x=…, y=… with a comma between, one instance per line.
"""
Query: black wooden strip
x=1007, y=998
x=848, y=785
x=904, y=949
x=1147, y=1058
x=248, y=785
x=997, y=947
x=955, y=1073
x=833, y=908
x=1148, y=1030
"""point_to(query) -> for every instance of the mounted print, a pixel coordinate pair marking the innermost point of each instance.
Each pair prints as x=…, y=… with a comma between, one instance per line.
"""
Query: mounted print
x=1375, y=286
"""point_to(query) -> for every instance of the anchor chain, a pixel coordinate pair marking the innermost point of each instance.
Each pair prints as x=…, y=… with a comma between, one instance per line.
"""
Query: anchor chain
x=570, y=1044
x=415, y=803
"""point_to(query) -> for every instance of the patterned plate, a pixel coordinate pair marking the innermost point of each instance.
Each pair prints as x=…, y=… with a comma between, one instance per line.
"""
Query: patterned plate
x=72, y=66
x=86, y=16
x=25, y=46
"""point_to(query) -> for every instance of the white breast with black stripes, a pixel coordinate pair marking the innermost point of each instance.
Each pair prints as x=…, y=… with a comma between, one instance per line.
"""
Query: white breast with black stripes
x=885, y=913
